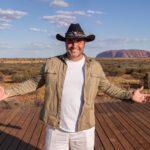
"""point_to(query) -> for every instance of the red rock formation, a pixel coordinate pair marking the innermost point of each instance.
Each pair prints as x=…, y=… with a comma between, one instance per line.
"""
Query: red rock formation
x=125, y=53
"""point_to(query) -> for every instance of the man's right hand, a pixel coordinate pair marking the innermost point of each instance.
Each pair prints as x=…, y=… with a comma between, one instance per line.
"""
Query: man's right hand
x=2, y=94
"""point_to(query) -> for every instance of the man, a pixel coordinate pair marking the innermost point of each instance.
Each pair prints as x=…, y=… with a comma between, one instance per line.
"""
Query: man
x=71, y=84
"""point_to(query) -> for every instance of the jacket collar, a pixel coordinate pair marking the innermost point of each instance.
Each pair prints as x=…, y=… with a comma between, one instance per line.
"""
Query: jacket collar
x=64, y=56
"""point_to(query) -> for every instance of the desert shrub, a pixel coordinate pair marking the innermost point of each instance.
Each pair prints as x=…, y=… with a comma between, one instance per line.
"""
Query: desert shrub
x=1, y=77
x=116, y=71
x=24, y=75
x=7, y=71
x=129, y=70
x=18, y=77
x=30, y=73
x=141, y=68
x=10, y=69
x=146, y=80
x=138, y=75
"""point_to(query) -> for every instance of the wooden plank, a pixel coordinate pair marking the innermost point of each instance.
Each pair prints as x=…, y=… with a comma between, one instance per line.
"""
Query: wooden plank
x=136, y=119
x=113, y=139
x=111, y=120
x=137, y=113
x=141, y=111
x=119, y=122
x=41, y=142
x=116, y=131
x=3, y=113
x=103, y=137
x=36, y=134
x=146, y=105
x=98, y=143
x=3, y=118
x=126, y=115
x=20, y=134
x=125, y=121
x=28, y=134
x=13, y=139
x=6, y=137
x=119, y=115
x=8, y=115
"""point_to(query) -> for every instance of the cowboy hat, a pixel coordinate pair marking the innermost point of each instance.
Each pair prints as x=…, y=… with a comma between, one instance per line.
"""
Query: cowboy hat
x=75, y=31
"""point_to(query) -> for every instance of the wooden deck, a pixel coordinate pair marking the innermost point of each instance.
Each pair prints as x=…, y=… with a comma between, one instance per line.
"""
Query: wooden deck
x=119, y=126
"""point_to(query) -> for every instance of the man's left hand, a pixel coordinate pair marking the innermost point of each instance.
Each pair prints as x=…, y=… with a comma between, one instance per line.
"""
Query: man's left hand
x=139, y=97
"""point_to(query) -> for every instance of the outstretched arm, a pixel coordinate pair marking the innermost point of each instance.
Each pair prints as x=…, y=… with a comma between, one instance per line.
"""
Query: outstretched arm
x=25, y=87
x=113, y=91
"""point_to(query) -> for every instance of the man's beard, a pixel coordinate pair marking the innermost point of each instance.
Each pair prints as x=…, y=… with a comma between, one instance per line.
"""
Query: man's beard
x=71, y=49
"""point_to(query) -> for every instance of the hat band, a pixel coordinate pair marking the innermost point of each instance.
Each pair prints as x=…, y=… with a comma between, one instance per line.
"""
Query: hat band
x=75, y=34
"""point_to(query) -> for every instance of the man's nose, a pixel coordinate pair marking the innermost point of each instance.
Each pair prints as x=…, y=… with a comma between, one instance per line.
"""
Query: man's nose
x=75, y=44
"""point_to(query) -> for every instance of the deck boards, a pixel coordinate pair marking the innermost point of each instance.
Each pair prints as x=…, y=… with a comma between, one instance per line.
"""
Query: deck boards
x=119, y=126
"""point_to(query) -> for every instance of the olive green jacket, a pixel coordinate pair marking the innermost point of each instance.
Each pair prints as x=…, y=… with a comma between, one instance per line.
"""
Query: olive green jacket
x=53, y=74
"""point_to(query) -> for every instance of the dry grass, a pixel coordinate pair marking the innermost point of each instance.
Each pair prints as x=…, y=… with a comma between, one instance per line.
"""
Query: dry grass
x=30, y=67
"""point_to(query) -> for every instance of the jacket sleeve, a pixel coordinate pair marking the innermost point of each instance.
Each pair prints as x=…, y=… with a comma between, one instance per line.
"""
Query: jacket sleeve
x=27, y=86
x=112, y=90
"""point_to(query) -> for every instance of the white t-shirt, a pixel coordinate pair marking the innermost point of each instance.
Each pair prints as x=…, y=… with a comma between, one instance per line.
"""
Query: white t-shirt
x=72, y=95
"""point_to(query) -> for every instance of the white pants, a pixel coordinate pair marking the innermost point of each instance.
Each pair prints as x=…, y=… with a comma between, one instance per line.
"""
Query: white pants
x=61, y=140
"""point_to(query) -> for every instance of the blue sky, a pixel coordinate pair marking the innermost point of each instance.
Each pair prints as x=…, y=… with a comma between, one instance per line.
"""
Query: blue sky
x=28, y=27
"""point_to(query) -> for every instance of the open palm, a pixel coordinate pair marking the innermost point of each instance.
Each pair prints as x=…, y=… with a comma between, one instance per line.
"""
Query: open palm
x=140, y=97
x=2, y=94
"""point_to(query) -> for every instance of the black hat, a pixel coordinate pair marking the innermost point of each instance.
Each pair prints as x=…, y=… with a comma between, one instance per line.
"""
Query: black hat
x=75, y=31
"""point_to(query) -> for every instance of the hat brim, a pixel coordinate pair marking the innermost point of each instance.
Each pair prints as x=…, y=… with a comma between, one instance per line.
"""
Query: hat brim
x=88, y=38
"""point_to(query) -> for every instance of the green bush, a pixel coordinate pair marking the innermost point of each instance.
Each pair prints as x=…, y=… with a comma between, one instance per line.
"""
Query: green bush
x=30, y=73
x=1, y=77
x=22, y=76
x=138, y=75
x=146, y=80
x=116, y=71
x=18, y=77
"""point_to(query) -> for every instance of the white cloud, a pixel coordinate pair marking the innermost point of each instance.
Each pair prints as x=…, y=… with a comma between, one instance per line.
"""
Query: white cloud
x=64, y=18
x=88, y=12
x=4, y=26
x=37, y=30
x=98, y=22
x=120, y=39
x=126, y=40
x=8, y=15
x=95, y=12
x=71, y=12
x=60, y=20
x=140, y=40
x=60, y=3
x=40, y=45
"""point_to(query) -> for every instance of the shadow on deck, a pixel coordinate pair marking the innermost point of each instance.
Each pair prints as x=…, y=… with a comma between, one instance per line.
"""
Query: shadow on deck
x=119, y=126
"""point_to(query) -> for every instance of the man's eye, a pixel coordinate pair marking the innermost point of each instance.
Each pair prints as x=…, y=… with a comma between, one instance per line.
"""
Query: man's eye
x=69, y=41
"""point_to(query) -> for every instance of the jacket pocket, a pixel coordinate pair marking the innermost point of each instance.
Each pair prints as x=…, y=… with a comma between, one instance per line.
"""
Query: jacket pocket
x=94, y=79
x=52, y=71
x=51, y=85
x=51, y=77
x=95, y=75
x=92, y=88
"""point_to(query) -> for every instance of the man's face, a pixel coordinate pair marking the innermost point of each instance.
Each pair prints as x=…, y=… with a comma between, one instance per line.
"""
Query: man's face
x=75, y=48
